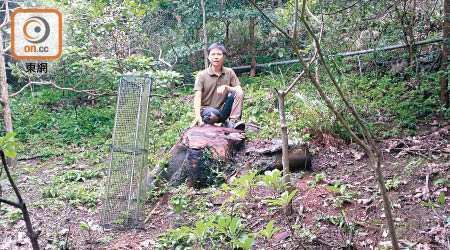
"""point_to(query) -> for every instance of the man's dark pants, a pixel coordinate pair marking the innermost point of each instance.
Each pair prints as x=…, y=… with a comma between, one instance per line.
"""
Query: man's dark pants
x=211, y=115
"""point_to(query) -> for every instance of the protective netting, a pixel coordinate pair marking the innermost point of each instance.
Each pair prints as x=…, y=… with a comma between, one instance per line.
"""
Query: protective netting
x=125, y=195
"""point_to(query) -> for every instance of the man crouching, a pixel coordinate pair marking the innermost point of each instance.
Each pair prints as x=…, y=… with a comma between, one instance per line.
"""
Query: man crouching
x=218, y=93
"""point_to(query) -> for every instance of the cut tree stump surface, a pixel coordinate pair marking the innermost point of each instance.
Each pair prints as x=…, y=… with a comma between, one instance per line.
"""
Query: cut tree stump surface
x=219, y=139
x=188, y=161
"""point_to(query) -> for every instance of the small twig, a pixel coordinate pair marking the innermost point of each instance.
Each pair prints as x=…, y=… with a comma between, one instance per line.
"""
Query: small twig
x=345, y=8
x=66, y=246
x=427, y=178
x=30, y=158
x=254, y=224
x=324, y=242
x=153, y=211
x=253, y=125
x=164, y=96
x=416, y=153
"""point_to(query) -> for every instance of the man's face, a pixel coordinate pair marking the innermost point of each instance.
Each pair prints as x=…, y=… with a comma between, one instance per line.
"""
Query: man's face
x=216, y=57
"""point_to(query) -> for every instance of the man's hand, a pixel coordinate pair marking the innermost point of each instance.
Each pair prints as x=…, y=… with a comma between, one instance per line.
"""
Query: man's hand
x=197, y=109
x=222, y=89
x=197, y=120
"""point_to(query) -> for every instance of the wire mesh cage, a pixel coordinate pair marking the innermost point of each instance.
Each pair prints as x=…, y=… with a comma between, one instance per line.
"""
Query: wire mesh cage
x=125, y=195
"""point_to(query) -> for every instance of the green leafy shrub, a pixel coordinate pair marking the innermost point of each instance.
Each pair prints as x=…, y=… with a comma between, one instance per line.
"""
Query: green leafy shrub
x=76, y=186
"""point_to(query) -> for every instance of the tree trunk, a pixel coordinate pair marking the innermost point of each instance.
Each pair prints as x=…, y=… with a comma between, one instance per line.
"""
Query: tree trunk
x=444, y=97
x=375, y=161
x=411, y=42
x=4, y=98
x=284, y=148
x=251, y=44
x=205, y=37
x=227, y=42
x=406, y=22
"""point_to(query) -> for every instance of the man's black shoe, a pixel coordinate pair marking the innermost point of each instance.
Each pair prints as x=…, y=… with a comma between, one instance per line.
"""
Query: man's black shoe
x=236, y=124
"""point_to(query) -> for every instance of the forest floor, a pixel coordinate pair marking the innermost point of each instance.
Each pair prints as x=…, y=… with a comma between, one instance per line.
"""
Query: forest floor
x=416, y=170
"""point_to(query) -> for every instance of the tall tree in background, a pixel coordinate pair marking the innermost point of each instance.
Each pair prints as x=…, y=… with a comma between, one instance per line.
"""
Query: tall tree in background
x=444, y=100
x=408, y=19
x=251, y=44
x=205, y=36
x=368, y=143
x=3, y=81
x=4, y=97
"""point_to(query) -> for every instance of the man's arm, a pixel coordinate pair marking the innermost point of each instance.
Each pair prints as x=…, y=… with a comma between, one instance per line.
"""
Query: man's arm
x=225, y=88
x=235, y=85
x=197, y=107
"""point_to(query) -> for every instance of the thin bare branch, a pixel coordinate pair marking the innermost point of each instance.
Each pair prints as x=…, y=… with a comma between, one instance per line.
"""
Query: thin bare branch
x=322, y=94
x=313, y=16
x=300, y=75
x=270, y=20
x=310, y=62
x=294, y=82
x=316, y=50
x=22, y=89
x=162, y=59
x=345, y=8
x=11, y=203
x=384, y=13
x=303, y=9
x=295, y=20
x=331, y=106
x=10, y=179
x=93, y=92
x=33, y=235
x=333, y=80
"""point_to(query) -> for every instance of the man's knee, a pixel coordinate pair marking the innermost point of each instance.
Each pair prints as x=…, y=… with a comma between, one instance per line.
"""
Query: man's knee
x=238, y=94
x=210, y=115
x=213, y=118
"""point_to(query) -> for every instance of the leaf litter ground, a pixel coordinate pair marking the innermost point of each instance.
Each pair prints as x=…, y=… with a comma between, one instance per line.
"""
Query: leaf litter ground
x=413, y=167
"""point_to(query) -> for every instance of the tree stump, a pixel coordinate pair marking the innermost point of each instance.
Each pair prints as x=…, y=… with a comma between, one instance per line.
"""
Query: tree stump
x=200, y=151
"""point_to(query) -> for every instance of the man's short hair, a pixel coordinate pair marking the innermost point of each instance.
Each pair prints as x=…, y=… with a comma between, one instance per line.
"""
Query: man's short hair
x=217, y=46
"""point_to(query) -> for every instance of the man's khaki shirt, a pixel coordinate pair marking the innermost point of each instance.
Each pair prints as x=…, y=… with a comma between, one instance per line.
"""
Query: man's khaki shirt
x=207, y=82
